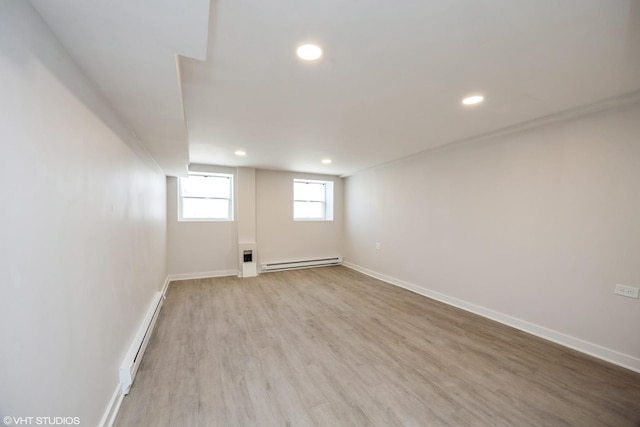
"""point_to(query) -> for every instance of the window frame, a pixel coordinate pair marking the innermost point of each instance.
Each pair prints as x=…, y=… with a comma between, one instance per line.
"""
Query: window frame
x=327, y=203
x=231, y=198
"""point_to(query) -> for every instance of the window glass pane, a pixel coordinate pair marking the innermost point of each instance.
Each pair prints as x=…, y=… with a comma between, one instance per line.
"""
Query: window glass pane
x=308, y=191
x=205, y=208
x=206, y=186
x=308, y=210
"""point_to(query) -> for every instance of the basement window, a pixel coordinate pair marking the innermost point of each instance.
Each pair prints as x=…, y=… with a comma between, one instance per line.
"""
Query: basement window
x=312, y=200
x=205, y=197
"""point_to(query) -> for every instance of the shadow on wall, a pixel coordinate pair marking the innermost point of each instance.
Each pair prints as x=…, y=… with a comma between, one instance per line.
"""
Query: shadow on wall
x=633, y=41
x=31, y=61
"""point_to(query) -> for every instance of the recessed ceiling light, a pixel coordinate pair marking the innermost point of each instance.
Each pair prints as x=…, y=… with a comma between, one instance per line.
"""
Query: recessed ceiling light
x=326, y=161
x=241, y=153
x=471, y=100
x=309, y=52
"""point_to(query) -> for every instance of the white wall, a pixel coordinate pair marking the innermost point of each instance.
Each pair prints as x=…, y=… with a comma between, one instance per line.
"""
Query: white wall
x=280, y=238
x=199, y=248
x=538, y=225
x=82, y=223
x=246, y=204
x=211, y=247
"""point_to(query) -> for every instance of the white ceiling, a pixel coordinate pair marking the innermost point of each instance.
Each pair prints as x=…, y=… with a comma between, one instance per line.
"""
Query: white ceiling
x=389, y=84
x=128, y=48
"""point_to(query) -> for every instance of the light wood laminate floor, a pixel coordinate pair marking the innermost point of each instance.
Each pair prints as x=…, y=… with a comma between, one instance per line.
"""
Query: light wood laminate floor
x=332, y=347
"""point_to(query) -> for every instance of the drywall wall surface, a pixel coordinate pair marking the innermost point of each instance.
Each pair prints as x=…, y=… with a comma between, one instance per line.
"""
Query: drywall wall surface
x=280, y=238
x=82, y=230
x=199, y=248
x=246, y=205
x=538, y=225
x=263, y=210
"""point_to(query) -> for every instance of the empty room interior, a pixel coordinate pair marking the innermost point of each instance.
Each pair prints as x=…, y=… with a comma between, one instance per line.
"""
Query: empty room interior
x=330, y=213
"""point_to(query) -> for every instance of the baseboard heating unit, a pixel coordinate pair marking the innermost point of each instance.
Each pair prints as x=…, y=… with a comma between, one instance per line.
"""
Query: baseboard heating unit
x=133, y=358
x=292, y=265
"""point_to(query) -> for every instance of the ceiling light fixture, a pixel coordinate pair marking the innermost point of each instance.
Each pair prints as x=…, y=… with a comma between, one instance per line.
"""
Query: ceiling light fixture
x=326, y=161
x=309, y=52
x=241, y=153
x=471, y=100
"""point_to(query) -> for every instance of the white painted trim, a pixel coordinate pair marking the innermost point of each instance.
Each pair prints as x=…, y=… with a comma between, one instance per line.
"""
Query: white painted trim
x=110, y=414
x=165, y=287
x=202, y=275
x=292, y=265
x=132, y=360
x=595, y=350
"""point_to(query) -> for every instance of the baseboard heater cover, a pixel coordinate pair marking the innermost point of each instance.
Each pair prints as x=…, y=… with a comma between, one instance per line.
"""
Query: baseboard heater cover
x=309, y=263
x=131, y=363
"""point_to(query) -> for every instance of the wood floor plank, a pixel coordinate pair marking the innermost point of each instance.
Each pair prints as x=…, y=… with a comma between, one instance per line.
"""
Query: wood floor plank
x=332, y=347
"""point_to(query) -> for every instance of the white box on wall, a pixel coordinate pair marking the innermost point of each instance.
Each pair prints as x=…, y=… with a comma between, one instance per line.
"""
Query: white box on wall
x=249, y=269
x=247, y=259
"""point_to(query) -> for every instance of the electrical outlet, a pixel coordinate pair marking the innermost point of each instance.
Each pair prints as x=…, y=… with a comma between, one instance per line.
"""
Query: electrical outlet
x=378, y=246
x=627, y=291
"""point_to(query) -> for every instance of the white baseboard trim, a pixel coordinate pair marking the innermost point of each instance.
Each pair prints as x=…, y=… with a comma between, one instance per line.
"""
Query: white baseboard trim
x=165, y=287
x=202, y=275
x=133, y=358
x=111, y=412
x=612, y=356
